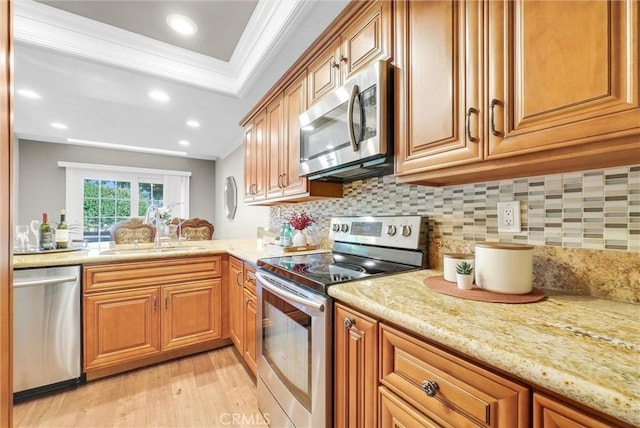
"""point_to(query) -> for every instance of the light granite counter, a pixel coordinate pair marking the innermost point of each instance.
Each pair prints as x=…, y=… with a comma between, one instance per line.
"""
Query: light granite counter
x=584, y=348
x=245, y=249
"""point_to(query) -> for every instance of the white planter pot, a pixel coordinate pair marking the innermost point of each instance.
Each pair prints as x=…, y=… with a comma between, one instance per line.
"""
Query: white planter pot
x=465, y=282
x=299, y=239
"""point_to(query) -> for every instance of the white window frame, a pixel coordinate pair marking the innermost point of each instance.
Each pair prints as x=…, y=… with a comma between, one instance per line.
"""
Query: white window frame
x=76, y=173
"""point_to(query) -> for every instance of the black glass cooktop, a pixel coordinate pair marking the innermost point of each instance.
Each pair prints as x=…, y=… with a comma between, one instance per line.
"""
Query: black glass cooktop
x=318, y=271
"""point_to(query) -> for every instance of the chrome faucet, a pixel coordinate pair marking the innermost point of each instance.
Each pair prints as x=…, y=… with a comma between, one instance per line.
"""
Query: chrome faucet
x=156, y=221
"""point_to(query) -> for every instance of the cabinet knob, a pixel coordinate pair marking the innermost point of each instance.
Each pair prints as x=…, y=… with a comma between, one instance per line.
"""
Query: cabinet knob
x=238, y=278
x=343, y=58
x=349, y=322
x=430, y=387
x=335, y=64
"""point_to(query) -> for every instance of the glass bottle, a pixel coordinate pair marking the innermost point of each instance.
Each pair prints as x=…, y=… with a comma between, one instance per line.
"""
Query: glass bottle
x=62, y=232
x=47, y=241
x=286, y=235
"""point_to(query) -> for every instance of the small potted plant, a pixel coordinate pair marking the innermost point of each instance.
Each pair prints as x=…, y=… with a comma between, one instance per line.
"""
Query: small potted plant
x=300, y=221
x=464, y=275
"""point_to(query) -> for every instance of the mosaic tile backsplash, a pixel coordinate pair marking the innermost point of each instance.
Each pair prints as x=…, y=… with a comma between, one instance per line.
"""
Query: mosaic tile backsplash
x=581, y=223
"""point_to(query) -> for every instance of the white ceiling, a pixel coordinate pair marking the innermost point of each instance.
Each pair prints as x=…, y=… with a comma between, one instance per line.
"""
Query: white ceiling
x=94, y=77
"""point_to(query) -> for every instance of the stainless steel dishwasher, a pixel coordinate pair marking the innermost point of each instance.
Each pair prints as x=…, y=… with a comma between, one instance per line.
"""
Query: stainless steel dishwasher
x=46, y=330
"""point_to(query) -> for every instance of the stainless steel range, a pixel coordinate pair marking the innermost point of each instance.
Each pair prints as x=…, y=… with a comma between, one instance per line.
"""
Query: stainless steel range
x=295, y=314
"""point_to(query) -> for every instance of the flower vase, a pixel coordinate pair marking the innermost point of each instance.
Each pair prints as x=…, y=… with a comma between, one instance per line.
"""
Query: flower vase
x=299, y=239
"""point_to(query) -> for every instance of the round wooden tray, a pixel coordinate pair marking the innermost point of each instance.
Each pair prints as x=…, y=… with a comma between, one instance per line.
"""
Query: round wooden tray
x=438, y=284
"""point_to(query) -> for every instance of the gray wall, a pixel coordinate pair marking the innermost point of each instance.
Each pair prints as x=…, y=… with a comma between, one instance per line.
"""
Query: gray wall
x=247, y=218
x=42, y=182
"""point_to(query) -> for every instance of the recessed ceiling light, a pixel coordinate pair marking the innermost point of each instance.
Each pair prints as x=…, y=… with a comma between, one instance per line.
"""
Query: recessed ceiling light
x=193, y=123
x=159, y=95
x=58, y=125
x=184, y=143
x=181, y=24
x=28, y=93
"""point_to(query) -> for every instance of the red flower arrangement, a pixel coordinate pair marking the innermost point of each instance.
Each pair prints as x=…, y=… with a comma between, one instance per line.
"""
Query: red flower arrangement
x=301, y=221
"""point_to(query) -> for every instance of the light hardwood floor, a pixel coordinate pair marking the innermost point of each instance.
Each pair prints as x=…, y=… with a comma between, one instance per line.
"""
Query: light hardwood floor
x=210, y=389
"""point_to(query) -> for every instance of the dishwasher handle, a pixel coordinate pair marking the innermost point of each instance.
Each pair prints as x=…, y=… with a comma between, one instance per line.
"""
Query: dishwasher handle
x=47, y=281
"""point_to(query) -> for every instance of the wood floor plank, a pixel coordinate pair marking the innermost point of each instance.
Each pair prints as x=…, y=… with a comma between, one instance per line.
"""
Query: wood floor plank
x=210, y=389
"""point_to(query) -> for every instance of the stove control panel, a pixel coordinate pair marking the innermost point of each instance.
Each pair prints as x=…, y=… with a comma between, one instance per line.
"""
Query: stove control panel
x=408, y=232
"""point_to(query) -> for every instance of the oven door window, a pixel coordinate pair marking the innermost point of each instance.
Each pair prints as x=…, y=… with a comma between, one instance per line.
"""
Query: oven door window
x=286, y=345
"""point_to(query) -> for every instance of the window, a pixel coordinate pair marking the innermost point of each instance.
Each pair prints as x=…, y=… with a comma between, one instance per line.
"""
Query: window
x=98, y=196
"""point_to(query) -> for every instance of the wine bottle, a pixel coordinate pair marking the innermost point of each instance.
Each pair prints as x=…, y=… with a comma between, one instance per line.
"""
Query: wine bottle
x=62, y=232
x=47, y=241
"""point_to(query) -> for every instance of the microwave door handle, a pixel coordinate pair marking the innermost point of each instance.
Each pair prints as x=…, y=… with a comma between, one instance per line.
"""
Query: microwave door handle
x=352, y=101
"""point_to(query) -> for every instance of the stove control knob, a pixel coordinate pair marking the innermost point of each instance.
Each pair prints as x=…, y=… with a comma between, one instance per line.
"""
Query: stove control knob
x=336, y=227
x=406, y=230
x=344, y=227
x=391, y=230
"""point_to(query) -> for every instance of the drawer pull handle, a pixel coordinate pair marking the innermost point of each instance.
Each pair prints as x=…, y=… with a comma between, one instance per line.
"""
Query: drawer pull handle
x=492, y=123
x=468, y=125
x=430, y=387
x=349, y=322
x=238, y=278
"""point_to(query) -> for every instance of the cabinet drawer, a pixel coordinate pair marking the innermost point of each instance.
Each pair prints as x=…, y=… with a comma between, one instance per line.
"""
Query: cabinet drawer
x=115, y=276
x=466, y=394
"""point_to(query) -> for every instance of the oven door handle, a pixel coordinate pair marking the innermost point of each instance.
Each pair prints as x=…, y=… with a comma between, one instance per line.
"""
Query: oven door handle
x=285, y=295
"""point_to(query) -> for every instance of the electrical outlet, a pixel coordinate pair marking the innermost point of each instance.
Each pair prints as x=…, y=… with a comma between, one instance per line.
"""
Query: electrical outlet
x=509, y=217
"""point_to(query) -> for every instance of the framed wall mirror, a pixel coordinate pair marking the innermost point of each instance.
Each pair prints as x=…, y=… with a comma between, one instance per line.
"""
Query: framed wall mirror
x=230, y=196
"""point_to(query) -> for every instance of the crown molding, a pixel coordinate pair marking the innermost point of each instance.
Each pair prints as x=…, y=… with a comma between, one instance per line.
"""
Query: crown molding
x=271, y=22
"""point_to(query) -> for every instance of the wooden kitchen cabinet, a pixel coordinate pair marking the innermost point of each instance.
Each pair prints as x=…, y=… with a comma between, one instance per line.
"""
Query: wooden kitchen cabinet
x=446, y=389
x=236, y=298
x=355, y=369
x=551, y=413
x=137, y=313
x=255, y=159
x=277, y=131
x=121, y=326
x=191, y=313
x=243, y=311
x=439, y=47
x=250, y=348
x=501, y=89
x=366, y=40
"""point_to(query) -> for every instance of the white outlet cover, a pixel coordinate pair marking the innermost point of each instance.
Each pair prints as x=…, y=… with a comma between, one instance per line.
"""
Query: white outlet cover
x=509, y=217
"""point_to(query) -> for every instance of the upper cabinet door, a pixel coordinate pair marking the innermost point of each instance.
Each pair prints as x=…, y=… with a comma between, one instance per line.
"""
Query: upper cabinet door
x=367, y=40
x=294, y=104
x=324, y=73
x=273, y=144
x=561, y=73
x=438, y=83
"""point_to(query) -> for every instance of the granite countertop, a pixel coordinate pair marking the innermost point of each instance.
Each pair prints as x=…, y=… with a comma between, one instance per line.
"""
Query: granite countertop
x=245, y=249
x=585, y=348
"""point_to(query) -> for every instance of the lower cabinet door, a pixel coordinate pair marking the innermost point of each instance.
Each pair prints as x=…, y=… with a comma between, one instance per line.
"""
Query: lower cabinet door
x=550, y=413
x=396, y=413
x=250, y=344
x=191, y=313
x=121, y=326
x=355, y=369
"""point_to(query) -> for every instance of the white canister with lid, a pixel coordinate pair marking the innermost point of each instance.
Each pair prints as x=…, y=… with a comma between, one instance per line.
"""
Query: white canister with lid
x=504, y=268
x=450, y=260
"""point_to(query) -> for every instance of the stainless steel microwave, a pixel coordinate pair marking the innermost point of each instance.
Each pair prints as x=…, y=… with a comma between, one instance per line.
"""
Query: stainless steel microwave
x=345, y=135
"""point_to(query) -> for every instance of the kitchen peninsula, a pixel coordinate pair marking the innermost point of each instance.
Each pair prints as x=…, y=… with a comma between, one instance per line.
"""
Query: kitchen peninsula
x=578, y=348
